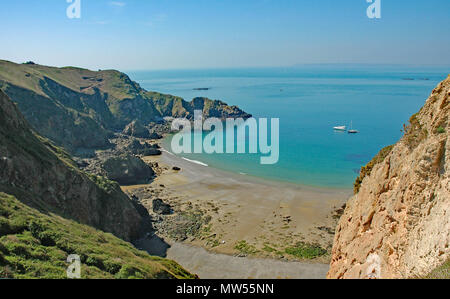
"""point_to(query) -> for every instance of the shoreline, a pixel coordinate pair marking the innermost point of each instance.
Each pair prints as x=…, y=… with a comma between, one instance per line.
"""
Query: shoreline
x=279, y=183
x=162, y=143
x=247, y=217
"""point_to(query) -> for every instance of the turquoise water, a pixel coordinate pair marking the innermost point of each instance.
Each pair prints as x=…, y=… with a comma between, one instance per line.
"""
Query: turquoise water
x=310, y=100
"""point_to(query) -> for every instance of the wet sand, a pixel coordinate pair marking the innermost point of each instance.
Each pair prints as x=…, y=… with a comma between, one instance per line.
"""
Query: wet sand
x=269, y=216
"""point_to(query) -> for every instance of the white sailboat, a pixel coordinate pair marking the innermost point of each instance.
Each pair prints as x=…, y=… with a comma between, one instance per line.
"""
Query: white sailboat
x=340, y=128
x=351, y=131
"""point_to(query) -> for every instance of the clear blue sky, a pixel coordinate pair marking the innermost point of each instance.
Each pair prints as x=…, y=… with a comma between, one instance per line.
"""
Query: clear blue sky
x=161, y=34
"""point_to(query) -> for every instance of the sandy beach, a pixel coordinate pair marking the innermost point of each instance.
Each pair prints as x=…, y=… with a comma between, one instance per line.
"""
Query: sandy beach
x=263, y=217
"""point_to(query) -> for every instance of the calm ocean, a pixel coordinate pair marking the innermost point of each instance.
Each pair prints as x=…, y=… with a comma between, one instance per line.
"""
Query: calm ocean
x=309, y=101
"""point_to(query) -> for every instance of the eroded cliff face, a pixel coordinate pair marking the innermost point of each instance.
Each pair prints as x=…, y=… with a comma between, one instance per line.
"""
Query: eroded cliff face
x=80, y=109
x=398, y=224
x=44, y=177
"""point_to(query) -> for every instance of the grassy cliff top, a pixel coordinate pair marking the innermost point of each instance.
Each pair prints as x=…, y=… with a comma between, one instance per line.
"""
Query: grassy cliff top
x=61, y=103
x=29, y=76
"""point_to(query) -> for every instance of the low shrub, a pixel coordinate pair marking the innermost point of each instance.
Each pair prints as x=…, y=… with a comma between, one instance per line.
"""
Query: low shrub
x=245, y=248
x=367, y=170
x=306, y=251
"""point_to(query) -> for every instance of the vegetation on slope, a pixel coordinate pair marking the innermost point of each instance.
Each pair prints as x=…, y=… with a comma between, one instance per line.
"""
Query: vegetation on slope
x=41, y=174
x=414, y=132
x=366, y=170
x=36, y=245
x=36, y=235
x=442, y=272
x=79, y=108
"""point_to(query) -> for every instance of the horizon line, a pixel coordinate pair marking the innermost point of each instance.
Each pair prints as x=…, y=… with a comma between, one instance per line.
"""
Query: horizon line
x=291, y=66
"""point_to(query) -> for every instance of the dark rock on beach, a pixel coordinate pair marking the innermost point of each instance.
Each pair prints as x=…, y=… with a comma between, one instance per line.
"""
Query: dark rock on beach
x=155, y=136
x=161, y=208
x=143, y=149
x=128, y=170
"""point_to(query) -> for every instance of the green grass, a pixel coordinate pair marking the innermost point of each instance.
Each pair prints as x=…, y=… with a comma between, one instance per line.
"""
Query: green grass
x=36, y=245
x=414, y=132
x=440, y=130
x=245, y=248
x=306, y=251
x=269, y=249
x=442, y=272
x=104, y=184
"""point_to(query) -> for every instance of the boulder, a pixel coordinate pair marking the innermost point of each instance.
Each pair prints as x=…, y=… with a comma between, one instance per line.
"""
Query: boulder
x=161, y=208
x=128, y=170
x=155, y=136
x=136, y=129
x=144, y=149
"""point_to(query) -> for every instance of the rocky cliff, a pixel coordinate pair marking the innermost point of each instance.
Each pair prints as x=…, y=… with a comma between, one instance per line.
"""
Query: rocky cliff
x=398, y=223
x=44, y=177
x=176, y=107
x=78, y=108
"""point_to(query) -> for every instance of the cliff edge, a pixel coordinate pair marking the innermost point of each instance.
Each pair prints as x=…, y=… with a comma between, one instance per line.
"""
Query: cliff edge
x=398, y=223
x=81, y=109
x=43, y=176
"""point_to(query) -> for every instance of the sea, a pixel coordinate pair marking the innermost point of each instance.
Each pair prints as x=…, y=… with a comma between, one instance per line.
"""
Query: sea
x=308, y=100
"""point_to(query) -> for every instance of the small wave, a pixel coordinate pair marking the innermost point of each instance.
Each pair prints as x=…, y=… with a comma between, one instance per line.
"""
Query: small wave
x=166, y=151
x=195, y=161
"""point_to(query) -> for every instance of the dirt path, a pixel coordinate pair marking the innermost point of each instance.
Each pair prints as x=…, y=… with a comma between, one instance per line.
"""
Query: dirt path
x=209, y=265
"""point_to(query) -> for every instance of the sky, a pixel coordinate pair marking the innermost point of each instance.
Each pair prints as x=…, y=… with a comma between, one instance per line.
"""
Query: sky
x=190, y=34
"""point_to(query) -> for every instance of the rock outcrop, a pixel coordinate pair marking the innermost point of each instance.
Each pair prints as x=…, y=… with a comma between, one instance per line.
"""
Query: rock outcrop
x=135, y=147
x=128, y=170
x=176, y=107
x=398, y=223
x=136, y=129
x=44, y=176
x=80, y=109
x=155, y=136
x=160, y=207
